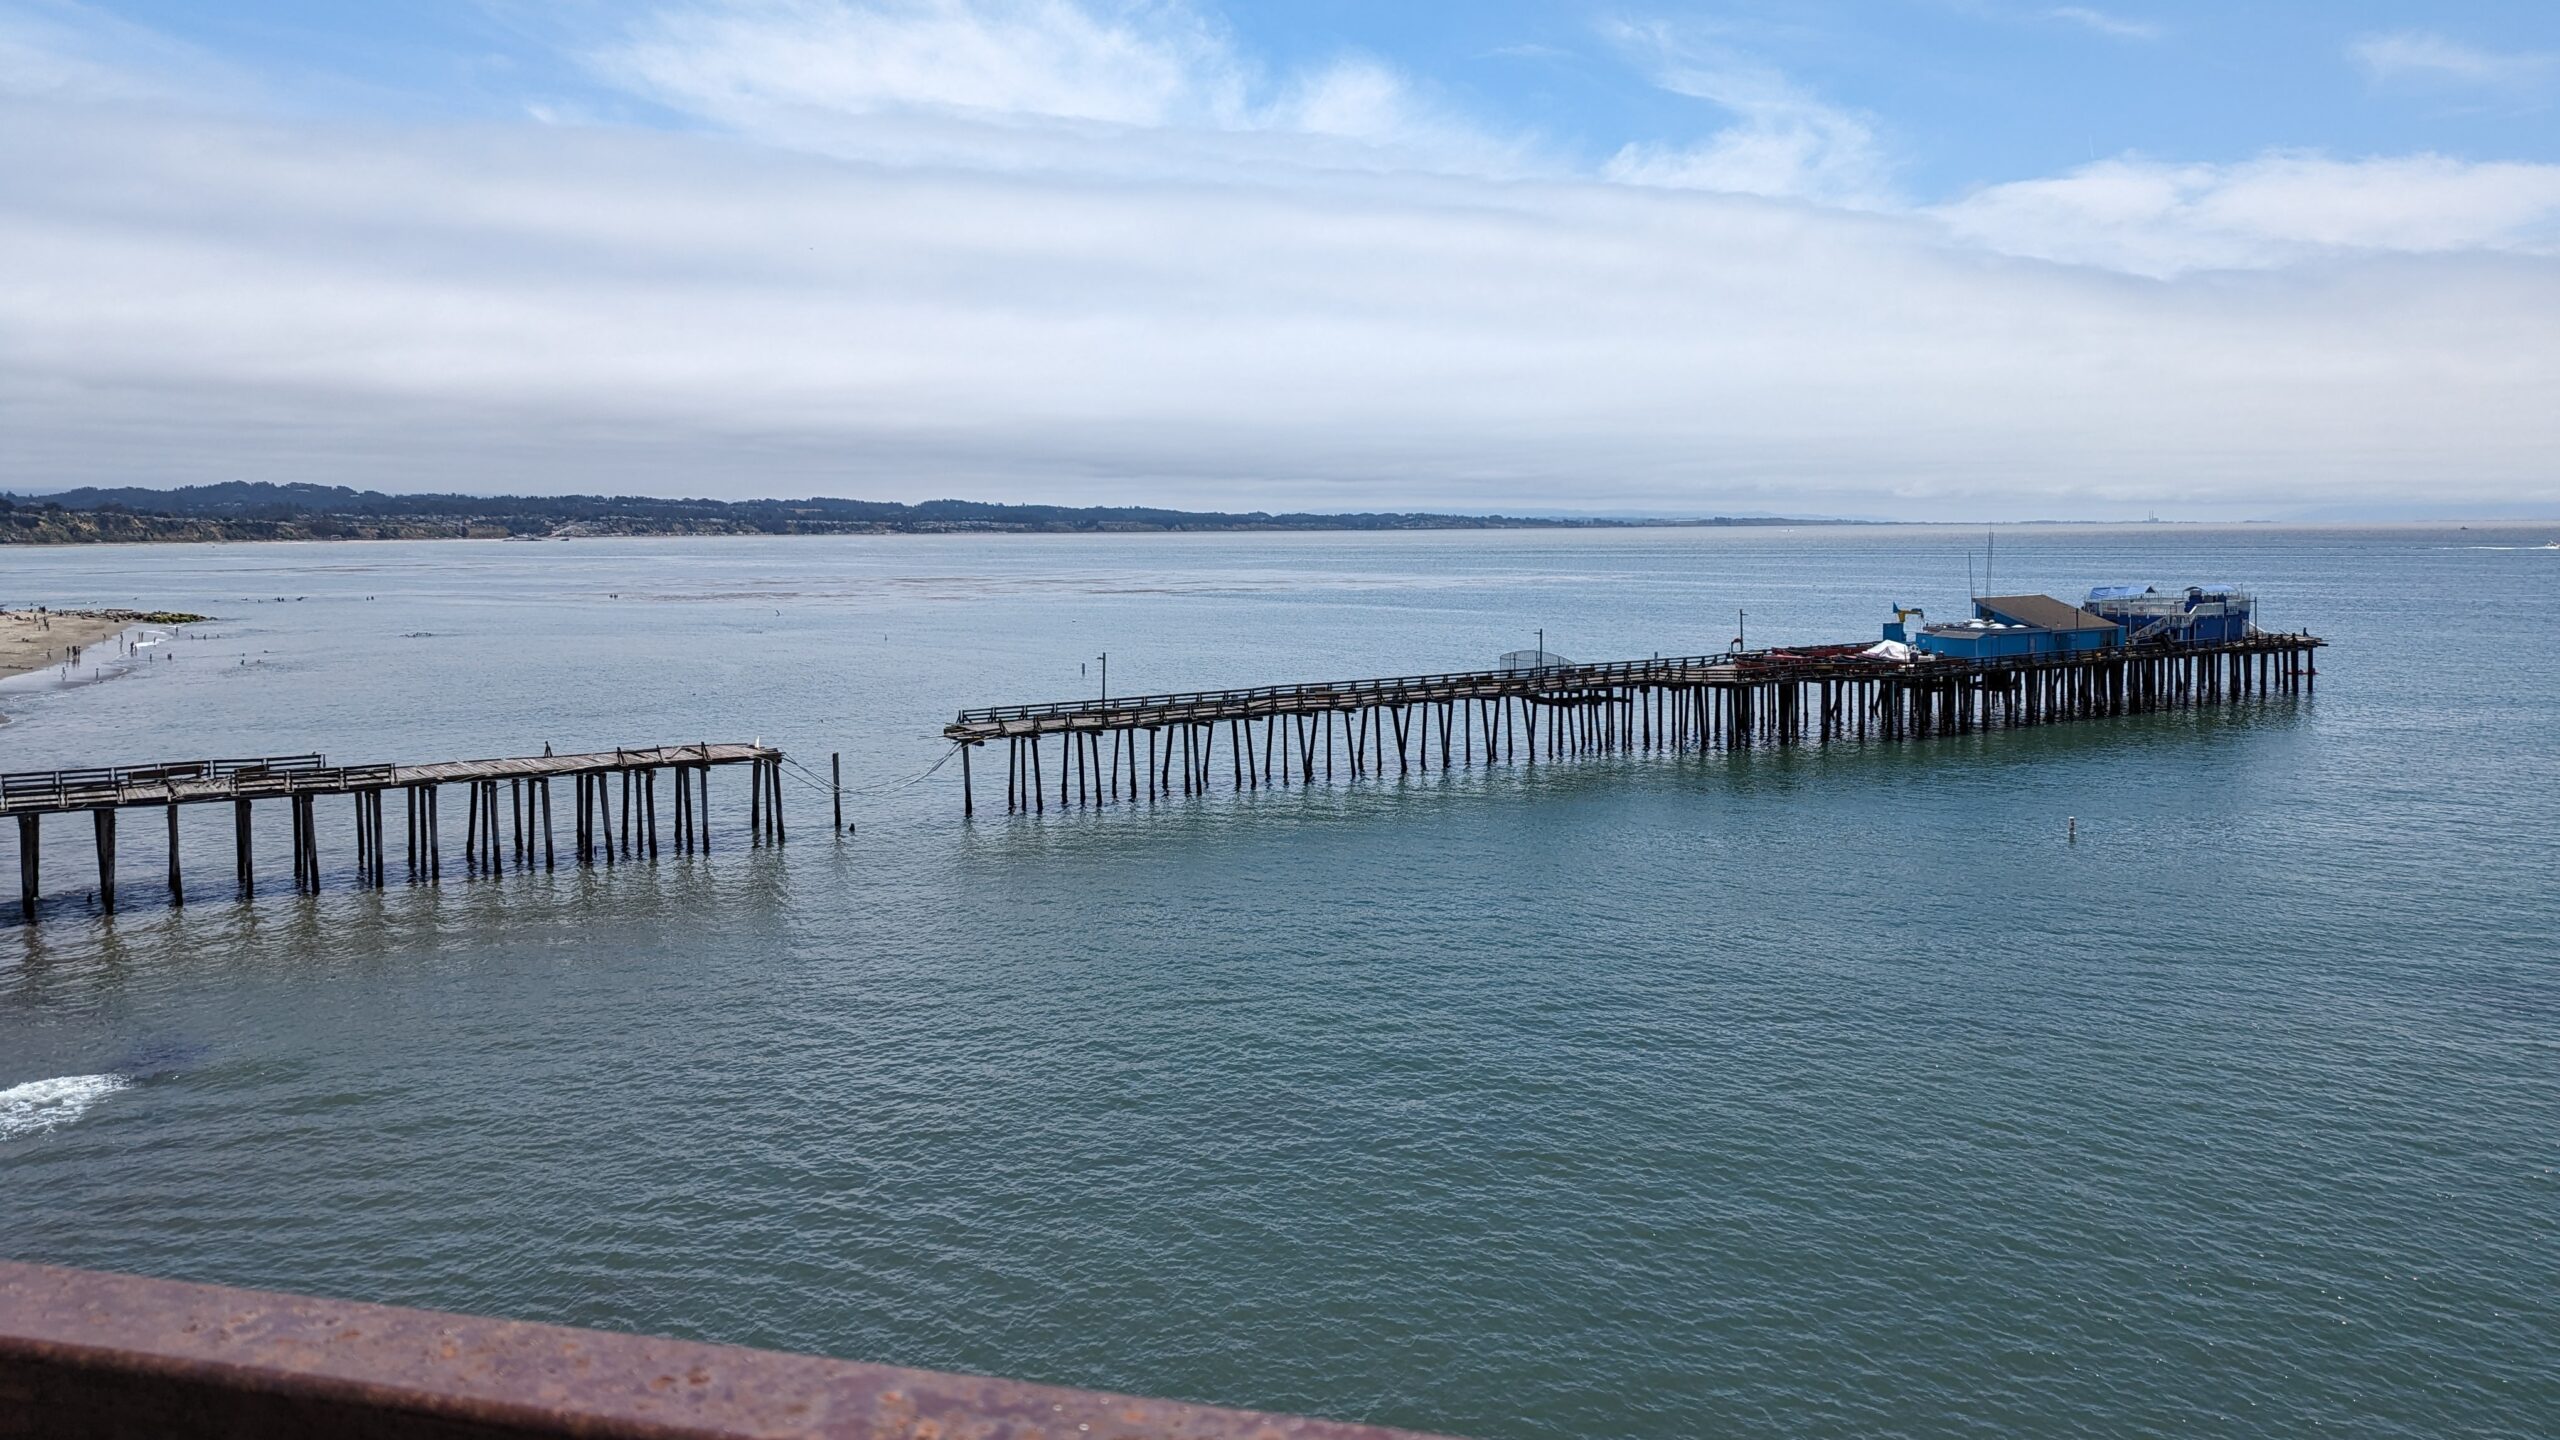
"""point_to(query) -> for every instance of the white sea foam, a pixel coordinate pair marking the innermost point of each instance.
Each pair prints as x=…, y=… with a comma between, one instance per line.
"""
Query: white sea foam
x=40, y=1105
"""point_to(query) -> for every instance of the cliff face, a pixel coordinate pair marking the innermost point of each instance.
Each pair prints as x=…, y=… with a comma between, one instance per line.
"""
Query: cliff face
x=24, y=526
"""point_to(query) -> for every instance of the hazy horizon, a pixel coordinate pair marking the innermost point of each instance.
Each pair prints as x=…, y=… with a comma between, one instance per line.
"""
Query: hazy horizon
x=2413, y=516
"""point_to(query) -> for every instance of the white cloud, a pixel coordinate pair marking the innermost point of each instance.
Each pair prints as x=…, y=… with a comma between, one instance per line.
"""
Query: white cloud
x=1042, y=59
x=2155, y=218
x=1783, y=141
x=2114, y=27
x=993, y=82
x=2423, y=57
x=1355, y=99
x=64, y=51
x=997, y=302
x=592, y=309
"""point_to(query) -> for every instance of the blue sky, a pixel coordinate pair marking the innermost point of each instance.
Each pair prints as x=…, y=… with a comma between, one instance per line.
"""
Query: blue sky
x=1962, y=93
x=1947, y=257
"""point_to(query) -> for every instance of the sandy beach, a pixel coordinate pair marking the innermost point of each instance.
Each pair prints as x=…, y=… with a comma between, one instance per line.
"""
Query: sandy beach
x=32, y=640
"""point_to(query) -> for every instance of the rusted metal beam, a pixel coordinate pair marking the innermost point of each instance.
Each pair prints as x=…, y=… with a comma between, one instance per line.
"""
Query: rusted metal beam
x=86, y=1355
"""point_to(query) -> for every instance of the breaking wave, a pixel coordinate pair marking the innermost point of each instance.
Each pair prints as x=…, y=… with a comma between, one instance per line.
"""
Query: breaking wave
x=40, y=1105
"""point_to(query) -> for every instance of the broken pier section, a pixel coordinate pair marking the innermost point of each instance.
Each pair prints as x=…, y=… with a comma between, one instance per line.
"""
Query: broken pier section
x=507, y=819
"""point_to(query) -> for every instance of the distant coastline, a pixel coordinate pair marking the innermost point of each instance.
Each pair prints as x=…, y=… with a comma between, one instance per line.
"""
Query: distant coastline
x=260, y=511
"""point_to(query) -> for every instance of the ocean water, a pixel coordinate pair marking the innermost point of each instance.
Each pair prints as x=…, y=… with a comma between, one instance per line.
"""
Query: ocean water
x=1827, y=1093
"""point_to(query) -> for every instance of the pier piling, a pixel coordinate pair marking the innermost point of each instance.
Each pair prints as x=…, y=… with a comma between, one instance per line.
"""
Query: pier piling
x=105, y=822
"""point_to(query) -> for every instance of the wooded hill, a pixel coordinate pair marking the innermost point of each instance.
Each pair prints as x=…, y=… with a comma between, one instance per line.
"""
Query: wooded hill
x=255, y=510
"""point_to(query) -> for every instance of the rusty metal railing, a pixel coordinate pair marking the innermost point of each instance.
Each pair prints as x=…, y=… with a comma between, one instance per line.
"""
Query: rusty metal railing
x=86, y=1355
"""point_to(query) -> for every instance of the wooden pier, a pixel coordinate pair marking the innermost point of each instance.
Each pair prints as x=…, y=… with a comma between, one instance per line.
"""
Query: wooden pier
x=507, y=810
x=1159, y=745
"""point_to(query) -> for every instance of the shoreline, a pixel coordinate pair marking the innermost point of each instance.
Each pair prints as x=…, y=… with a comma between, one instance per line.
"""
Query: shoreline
x=32, y=640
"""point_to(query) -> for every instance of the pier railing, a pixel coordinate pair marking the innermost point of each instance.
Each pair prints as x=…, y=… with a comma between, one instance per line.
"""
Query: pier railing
x=82, y=786
x=265, y=777
x=86, y=1355
x=1345, y=694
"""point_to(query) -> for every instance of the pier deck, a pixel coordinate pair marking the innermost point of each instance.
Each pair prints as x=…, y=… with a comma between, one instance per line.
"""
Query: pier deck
x=517, y=829
x=1788, y=696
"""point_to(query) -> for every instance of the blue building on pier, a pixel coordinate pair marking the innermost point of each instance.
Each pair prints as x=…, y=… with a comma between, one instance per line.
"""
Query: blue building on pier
x=2012, y=627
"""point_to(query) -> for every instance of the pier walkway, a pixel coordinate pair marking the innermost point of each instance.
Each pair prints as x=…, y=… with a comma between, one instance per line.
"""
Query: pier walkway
x=1805, y=694
x=516, y=829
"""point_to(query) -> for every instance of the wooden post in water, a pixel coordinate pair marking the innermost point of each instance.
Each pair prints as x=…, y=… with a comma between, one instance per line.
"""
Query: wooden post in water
x=489, y=818
x=307, y=830
x=242, y=875
x=105, y=821
x=27, y=835
x=177, y=891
